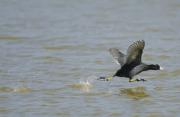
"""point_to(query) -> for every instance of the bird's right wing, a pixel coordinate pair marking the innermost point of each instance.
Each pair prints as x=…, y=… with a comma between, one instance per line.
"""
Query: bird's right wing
x=134, y=52
x=118, y=56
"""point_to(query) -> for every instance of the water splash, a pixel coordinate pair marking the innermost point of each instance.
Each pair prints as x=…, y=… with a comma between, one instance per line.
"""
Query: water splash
x=85, y=85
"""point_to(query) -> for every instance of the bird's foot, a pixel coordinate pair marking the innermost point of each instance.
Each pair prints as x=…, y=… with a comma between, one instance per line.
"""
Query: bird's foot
x=133, y=80
x=105, y=78
x=140, y=80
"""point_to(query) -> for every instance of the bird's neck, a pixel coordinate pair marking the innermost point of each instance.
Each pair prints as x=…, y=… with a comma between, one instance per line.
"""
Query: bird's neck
x=152, y=67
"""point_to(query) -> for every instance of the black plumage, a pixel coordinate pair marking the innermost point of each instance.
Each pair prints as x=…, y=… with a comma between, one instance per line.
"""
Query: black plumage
x=131, y=63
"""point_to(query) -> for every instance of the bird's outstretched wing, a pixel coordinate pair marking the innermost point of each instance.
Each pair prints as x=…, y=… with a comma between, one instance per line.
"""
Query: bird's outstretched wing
x=118, y=56
x=134, y=52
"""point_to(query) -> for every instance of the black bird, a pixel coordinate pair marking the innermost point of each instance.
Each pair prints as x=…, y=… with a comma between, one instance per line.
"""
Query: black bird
x=131, y=63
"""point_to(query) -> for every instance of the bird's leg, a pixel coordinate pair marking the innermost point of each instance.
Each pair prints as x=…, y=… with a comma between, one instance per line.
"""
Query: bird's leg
x=132, y=80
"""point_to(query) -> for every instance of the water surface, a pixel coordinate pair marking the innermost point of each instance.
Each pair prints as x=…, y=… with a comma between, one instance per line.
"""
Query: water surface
x=53, y=51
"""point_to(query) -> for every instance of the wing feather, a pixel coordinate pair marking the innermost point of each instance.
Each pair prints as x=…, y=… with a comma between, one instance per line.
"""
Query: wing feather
x=134, y=52
x=118, y=56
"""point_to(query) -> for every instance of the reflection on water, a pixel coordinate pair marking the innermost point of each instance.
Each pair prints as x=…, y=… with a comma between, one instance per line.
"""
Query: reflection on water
x=63, y=47
x=9, y=37
x=175, y=73
x=17, y=90
x=3, y=110
x=135, y=93
x=51, y=59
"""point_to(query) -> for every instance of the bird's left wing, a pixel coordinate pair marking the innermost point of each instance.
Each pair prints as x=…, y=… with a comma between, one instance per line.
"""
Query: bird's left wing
x=118, y=56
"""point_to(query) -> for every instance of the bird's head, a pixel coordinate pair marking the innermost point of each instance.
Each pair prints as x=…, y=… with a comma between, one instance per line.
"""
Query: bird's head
x=157, y=67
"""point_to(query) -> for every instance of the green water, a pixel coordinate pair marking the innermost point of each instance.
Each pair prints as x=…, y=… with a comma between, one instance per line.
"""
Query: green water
x=52, y=51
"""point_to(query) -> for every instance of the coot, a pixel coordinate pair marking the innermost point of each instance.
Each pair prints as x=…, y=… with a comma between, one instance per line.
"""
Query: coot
x=131, y=63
